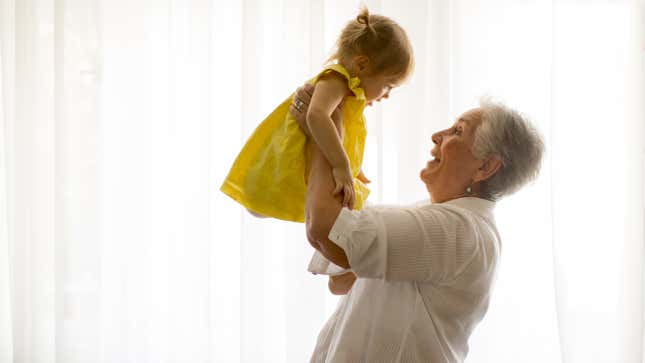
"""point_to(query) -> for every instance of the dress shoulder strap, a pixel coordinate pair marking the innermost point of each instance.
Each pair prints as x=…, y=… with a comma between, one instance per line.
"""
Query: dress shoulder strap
x=353, y=83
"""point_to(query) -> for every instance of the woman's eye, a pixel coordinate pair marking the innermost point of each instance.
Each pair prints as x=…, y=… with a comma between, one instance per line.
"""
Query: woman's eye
x=458, y=131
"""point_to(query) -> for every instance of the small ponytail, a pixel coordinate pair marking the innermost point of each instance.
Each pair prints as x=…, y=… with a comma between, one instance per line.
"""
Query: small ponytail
x=364, y=19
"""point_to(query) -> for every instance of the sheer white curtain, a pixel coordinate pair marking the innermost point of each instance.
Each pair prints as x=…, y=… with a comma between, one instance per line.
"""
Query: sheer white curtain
x=119, y=119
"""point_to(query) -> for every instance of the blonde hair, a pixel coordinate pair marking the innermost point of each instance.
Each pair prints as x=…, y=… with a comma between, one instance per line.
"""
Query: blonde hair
x=381, y=39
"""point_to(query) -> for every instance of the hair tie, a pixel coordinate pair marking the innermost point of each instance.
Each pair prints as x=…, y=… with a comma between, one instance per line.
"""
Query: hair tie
x=363, y=19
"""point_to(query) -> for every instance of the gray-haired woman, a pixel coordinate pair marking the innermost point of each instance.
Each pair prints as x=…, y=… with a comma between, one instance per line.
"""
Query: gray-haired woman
x=417, y=279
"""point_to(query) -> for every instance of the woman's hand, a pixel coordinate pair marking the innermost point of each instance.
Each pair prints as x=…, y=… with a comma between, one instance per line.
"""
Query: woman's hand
x=300, y=105
x=344, y=183
x=341, y=284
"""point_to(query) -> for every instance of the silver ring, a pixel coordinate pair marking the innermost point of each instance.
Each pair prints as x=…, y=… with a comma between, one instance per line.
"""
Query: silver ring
x=298, y=104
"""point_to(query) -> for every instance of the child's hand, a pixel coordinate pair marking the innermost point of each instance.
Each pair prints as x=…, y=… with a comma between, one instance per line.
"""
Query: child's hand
x=363, y=178
x=345, y=184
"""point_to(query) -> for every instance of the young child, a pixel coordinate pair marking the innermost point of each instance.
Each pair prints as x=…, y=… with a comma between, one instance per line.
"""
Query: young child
x=269, y=177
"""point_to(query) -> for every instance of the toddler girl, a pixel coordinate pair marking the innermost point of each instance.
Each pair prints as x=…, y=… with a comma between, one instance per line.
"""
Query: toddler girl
x=269, y=177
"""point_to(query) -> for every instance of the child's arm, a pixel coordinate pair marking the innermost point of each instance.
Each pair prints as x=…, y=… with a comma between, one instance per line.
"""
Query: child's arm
x=328, y=94
x=303, y=94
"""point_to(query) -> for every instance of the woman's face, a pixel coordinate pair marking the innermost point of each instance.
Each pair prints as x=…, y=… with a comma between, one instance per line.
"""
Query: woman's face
x=453, y=166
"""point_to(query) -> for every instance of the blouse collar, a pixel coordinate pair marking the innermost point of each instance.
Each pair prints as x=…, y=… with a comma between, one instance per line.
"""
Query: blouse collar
x=480, y=206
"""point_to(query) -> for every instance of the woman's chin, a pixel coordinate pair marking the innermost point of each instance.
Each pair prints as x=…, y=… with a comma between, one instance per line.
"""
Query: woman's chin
x=423, y=175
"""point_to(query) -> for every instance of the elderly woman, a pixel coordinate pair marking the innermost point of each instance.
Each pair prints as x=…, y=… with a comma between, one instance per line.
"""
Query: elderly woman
x=417, y=279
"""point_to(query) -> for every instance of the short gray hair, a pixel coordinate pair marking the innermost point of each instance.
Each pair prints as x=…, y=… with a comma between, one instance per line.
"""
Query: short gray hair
x=509, y=135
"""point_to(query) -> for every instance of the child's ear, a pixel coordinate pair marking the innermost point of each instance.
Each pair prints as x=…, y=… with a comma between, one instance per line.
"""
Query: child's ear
x=362, y=62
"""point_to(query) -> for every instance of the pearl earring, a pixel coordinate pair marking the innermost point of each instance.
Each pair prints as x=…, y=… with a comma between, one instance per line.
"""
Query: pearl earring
x=469, y=190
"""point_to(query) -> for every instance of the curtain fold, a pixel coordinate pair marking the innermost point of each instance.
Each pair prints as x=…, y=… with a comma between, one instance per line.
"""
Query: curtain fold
x=6, y=113
x=597, y=180
x=119, y=120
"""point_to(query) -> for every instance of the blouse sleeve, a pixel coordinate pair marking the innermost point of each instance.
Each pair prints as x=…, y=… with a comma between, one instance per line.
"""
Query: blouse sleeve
x=429, y=244
x=320, y=265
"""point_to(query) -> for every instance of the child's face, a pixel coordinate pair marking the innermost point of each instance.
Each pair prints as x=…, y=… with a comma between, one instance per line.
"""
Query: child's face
x=377, y=87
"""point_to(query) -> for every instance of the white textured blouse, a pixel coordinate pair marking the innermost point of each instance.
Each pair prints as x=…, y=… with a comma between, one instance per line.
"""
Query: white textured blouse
x=425, y=274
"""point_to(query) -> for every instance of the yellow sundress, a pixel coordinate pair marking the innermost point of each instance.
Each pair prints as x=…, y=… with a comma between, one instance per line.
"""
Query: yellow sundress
x=269, y=175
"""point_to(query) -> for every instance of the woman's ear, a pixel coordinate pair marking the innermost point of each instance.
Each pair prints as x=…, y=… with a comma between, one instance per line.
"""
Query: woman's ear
x=491, y=164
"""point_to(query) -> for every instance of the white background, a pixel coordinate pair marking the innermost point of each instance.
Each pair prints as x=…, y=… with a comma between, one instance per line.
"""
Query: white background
x=121, y=118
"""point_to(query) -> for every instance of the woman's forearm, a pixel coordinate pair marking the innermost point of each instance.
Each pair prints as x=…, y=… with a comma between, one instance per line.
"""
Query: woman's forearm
x=322, y=208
